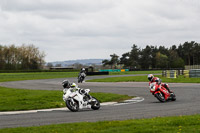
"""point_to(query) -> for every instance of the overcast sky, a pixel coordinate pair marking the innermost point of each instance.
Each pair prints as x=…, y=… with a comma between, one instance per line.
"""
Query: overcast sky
x=85, y=29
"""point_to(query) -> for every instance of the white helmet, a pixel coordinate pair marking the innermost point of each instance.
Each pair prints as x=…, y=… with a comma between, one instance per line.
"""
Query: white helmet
x=150, y=77
x=73, y=85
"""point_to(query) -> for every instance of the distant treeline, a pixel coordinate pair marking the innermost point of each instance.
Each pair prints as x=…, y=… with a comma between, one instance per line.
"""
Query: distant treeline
x=38, y=70
x=25, y=57
x=153, y=57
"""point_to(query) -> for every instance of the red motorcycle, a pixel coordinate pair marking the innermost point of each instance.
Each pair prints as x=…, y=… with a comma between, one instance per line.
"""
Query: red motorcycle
x=161, y=93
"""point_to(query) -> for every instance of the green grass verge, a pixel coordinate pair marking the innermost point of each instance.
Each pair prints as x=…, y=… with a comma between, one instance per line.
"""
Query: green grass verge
x=178, y=124
x=4, y=77
x=180, y=79
x=35, y=75
x=22, y=99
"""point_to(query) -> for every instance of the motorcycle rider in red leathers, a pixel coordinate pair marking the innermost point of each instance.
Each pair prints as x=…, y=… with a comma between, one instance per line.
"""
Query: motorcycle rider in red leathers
x=152, y=79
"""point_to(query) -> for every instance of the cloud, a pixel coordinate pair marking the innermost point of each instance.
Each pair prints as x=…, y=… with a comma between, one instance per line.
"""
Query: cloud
x=79, y=29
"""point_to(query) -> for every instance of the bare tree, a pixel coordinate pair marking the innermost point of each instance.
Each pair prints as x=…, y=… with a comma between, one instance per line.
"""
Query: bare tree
x=23, y=57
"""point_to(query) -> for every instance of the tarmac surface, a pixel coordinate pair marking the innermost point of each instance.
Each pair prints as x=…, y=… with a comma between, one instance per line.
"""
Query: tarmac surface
x=187, y=103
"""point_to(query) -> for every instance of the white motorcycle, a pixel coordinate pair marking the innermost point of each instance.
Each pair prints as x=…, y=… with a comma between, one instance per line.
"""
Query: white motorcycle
x=75, y=100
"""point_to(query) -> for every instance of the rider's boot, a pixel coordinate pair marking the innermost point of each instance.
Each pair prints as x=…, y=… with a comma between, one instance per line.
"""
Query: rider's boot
x=167, y=87
x=169, y=90
x=90, y=97
x=91, y=100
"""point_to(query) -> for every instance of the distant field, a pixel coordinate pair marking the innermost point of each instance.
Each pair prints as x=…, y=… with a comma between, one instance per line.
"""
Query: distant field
x=180, y=79
x=51, y=75
x=176, y=124
x=35, y=75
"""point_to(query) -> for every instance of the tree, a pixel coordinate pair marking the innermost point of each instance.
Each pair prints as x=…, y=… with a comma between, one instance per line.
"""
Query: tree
x=134, y=56
x=2, y=61
x=49, y=65
x=106, y=62
x=23, y=57
x=196, y=54
x=77, y=65
x=174, y=60
x=189, y=52
x=163, y=50
x=125, y=60
x=146, y=58
x=161, y=60
x=114, y=61
x=31, y=57
x=161, y=57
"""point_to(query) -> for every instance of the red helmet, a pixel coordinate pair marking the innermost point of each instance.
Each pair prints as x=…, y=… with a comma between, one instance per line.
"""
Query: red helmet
x=150, y=77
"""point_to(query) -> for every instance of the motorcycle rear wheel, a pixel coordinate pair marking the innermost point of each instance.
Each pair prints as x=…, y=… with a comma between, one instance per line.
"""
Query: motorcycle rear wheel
x=160, y=97
x=72, y=107
x=96, y=105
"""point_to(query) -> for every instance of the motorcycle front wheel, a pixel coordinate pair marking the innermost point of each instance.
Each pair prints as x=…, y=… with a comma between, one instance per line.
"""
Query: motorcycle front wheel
x=174, y=97
x=74, y=107
x=96, y=104
x=160, y=97
x=80, y=80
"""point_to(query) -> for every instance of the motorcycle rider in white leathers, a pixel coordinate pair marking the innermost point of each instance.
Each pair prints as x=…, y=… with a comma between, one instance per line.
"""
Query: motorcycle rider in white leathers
x=67, y=84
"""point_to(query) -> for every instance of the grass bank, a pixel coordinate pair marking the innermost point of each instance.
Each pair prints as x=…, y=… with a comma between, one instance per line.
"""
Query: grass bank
x=35, y=75
x=22, y=99
x=180, y=79
x=178, y=124
x=4, y=77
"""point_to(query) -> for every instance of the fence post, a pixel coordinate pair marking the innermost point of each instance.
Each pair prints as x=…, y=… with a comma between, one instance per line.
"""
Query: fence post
x=164, y=73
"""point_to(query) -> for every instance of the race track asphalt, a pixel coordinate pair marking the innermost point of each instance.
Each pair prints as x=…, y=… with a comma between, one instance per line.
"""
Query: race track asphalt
x=187, y=103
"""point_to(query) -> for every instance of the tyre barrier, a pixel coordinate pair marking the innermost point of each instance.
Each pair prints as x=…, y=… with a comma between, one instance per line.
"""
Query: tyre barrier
x=186, y=73
x=170, y=73
x=194, y=73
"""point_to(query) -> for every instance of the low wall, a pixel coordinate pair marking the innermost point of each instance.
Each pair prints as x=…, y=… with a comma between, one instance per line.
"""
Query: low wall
x=114, y=70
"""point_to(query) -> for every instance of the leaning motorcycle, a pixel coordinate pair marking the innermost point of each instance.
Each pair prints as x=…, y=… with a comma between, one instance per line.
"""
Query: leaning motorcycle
x=161, y=93
x=81, y=77
x=75, y=100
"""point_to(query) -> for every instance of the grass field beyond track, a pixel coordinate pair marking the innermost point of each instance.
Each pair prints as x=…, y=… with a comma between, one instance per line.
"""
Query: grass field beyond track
x=178, y=124
x=22, y=99
x=180, y=79
x=35, y=75
x=4, y=77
